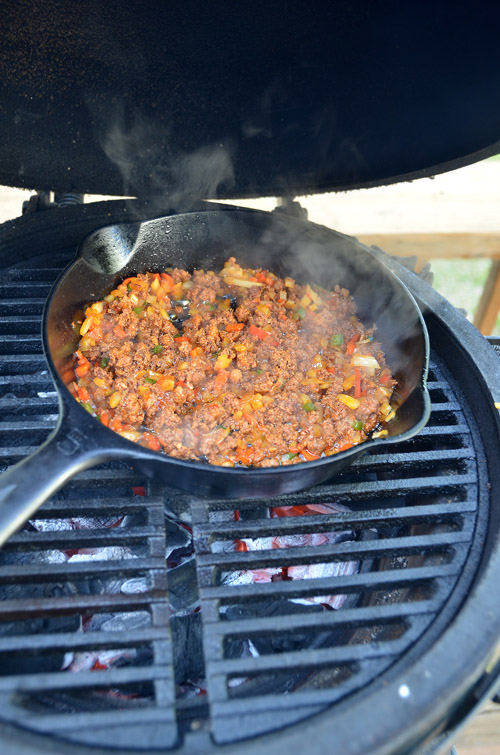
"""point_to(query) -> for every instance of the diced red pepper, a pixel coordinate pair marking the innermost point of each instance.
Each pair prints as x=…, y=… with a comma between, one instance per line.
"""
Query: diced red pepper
x=243, y=454
x=357, y=383
x=118, y=331
x=105, y=419
x=82, y=369
x=168, y=278
x=345, y=447
x=308, y=456
x=234, y=327
x=83, y=393
x=152, y=441
x=258, y=332
x=384, y=378
x=222, y=378
x=352, y=343
x=182, y=339
x=331, y=370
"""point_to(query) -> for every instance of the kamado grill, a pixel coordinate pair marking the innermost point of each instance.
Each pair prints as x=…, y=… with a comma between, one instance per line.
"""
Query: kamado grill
x=357, y=616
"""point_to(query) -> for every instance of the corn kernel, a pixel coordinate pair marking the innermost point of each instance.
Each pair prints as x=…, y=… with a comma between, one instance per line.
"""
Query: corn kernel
x=115, y=399
x=239, y=347
x=223, y=361
x=100, y=382
x=85, y=325
x=238, y=414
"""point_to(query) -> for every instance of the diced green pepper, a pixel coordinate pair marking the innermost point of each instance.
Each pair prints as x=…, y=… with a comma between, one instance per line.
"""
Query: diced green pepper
x=337, y=339
x=150, y=380
x=157, y=349
x=301, y=312
x=259, y=372
x=291, y=456
x=129, y=287
x=357, y=424
x=138, y=311
x=308, y=406
x=88, y=407
x=104, y=362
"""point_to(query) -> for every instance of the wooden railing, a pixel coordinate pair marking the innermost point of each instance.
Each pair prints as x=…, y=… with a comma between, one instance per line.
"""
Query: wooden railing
x=429, y=246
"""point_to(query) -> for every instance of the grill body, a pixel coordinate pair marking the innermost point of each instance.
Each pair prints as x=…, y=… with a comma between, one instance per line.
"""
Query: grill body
x=410, y=653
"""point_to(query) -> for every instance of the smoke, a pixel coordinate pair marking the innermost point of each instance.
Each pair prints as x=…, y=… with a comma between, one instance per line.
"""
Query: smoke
x=153, y=168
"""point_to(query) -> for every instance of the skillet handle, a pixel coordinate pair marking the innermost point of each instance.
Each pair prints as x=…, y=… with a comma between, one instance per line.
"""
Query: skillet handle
x=25, y=487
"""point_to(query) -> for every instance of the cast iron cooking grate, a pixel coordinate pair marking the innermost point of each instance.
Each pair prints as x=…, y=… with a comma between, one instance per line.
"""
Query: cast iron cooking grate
x=413, y=520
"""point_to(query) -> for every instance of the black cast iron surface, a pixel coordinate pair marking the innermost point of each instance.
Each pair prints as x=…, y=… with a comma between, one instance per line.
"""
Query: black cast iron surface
x=419, y=518
x=265, y=99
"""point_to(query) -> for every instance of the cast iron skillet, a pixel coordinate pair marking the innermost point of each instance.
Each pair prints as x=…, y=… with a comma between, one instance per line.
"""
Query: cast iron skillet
x=307, y=252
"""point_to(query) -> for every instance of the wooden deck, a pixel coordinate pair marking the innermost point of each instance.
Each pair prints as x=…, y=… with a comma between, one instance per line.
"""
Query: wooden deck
x=482, y=735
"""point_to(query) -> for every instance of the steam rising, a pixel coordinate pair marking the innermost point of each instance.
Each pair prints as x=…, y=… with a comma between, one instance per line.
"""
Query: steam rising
x=152, y=168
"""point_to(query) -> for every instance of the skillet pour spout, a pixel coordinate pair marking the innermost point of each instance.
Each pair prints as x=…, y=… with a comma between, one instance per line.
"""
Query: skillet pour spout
x=288, y=247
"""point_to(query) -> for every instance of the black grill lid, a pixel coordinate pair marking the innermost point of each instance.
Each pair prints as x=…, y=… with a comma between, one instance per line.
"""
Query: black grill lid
x=226, y=99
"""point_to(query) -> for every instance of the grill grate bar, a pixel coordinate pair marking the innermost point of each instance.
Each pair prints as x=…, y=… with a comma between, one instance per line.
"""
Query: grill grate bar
x=20, y=306
x=27, y=426
x=28, y=384
x=430, y=458
x=30, y=406
x=14, y=610
x=67, y=641
x=18, y=290
x=143, y=716
x=20, y=343
x=307, y=659
x=23, y=324
x=68, y=539
x=83, y=679
x=356, y=491
x=323, y=586
x=43, y=274
x=439, y=430
x=66, y=507
x=313, y=698
x=64, y=571
x=347, y=551
x=150, y=716
x=326, y=620
x=206, y=532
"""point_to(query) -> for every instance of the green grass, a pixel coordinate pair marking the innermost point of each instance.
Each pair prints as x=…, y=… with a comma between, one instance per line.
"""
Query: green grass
x=461, y=282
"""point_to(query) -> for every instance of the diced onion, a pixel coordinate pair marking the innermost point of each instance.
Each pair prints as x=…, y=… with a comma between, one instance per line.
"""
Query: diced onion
x=365, y=360
x=242, y=283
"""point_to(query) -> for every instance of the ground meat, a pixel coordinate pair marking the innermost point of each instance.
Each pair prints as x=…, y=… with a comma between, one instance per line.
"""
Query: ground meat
x=239, y=368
